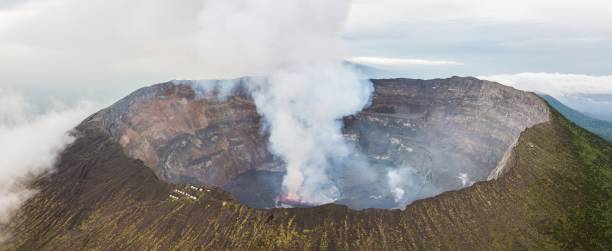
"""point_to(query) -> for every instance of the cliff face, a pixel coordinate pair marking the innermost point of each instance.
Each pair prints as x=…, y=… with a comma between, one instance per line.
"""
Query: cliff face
x=453, y=132
x=186, y=138
x=553, y=197
x=445, y=127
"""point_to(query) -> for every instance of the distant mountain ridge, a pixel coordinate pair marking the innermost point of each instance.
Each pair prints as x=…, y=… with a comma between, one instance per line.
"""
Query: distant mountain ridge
x=598, y=106
x=602, y=128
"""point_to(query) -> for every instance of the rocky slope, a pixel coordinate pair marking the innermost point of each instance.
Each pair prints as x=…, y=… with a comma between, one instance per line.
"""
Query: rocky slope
x=554, y=192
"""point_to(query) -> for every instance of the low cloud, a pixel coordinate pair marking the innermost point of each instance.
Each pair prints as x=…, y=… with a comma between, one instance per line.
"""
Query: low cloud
x=31, y=138
x=400, y=62
x=556, y=84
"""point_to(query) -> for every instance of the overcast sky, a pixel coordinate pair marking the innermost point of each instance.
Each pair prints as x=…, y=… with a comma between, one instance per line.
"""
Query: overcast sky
x=61, y=60
x=488, y=37
x=103, y=49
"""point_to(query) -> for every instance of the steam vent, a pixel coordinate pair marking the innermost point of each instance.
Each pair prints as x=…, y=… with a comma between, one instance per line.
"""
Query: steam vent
x=456, y=163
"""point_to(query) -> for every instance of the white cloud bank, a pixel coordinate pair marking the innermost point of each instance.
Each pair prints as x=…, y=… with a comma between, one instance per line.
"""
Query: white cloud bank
x=29, y=142
x=400, y=62
x=556, y=84
x=574, y=90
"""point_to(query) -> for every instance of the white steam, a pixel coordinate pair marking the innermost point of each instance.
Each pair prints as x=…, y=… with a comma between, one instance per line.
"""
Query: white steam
x=29, y=142
x=303, y=109
x=465, y=180
x=405, y=184
x=307, y=89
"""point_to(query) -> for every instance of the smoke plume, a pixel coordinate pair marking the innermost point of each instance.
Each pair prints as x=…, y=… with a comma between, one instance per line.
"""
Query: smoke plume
x=305, y=90
x=30, y=142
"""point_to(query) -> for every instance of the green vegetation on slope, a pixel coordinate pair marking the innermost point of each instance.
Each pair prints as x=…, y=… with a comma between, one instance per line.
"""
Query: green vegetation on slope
x=556, y=194
x=600, y=127
x=590, y=220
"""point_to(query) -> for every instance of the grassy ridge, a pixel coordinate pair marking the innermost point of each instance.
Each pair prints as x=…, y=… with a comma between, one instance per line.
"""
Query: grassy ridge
x=590, y=224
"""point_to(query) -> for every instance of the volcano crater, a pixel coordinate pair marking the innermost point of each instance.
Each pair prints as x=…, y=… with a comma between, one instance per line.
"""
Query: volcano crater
x=417, y=139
